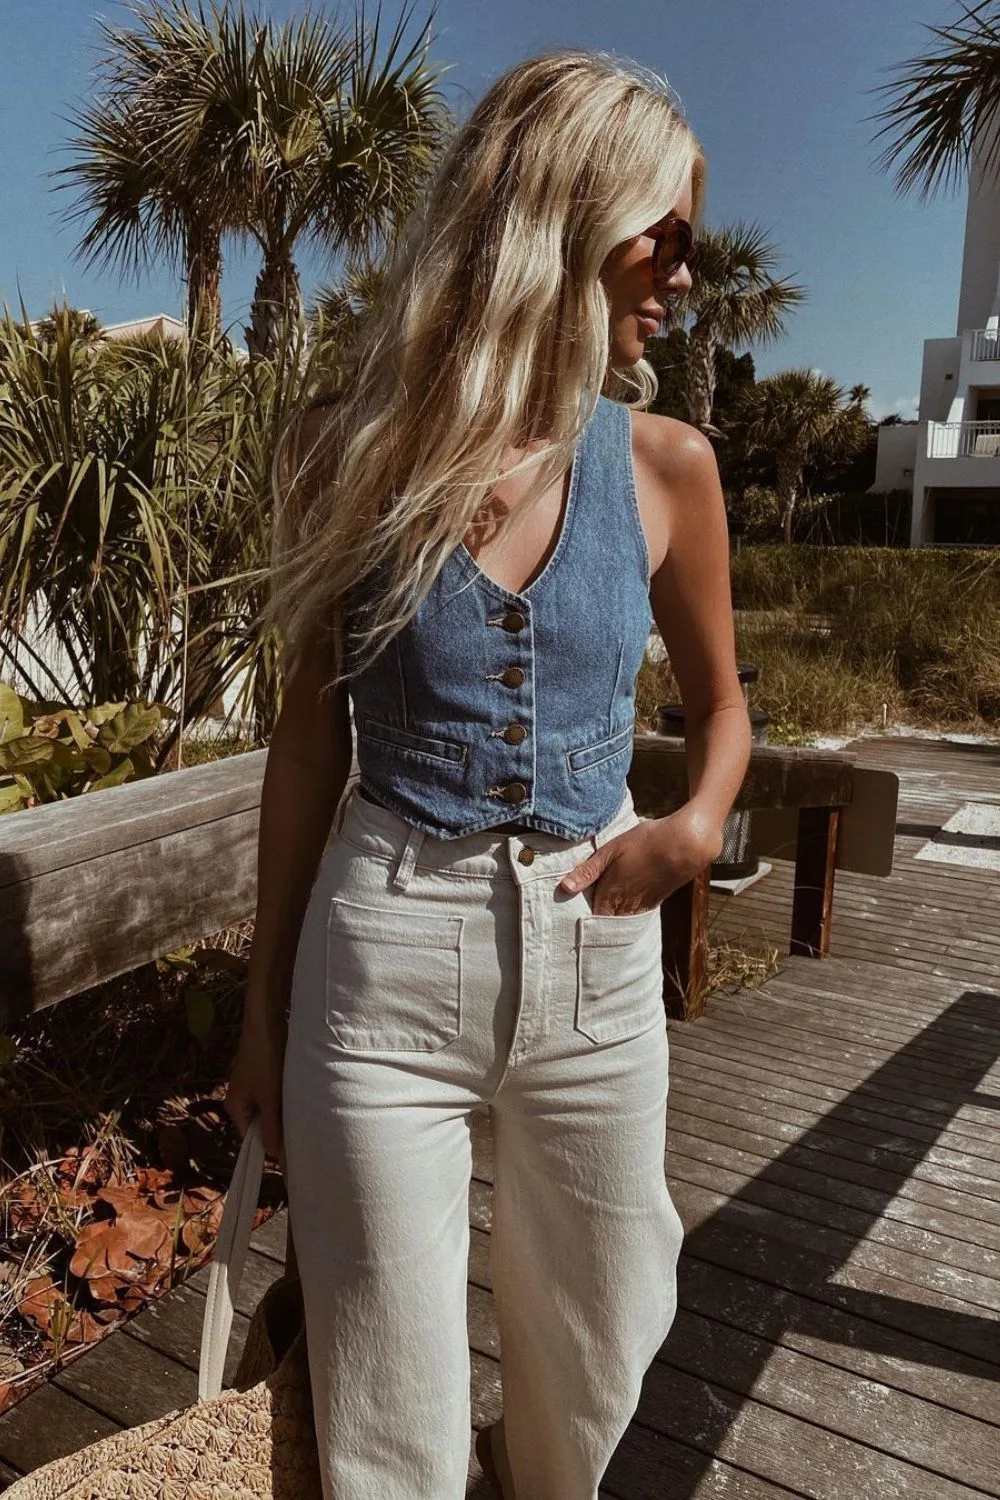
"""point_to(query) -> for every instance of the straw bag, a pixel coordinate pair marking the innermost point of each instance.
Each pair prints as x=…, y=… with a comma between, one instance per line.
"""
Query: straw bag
x=254, y=1441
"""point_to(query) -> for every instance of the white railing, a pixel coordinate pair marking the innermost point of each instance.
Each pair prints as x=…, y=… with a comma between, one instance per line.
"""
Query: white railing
x=963, y=439
x=985, y=343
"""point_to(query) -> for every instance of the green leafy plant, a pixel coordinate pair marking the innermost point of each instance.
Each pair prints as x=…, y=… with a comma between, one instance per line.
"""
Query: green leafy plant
x=50, y=751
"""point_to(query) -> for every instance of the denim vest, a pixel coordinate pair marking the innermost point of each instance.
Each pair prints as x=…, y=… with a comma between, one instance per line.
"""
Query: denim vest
x=490, y=704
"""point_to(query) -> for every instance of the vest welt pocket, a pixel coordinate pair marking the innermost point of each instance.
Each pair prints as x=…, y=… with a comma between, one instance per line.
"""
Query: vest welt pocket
x=393, y=978
x=430, y=746
x=601, y=750
x=619, y=974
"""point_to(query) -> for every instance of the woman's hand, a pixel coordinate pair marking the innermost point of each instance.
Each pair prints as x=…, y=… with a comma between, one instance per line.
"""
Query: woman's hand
x=643, y=866
x=255, y=1075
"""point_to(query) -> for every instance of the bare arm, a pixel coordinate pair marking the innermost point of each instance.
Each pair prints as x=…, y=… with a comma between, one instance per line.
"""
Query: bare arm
x=691, y=600
x=308, y=764
x=692, y=604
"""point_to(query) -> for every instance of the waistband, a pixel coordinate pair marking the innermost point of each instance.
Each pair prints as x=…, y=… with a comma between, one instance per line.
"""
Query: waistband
x=513, y=826
x=380, y=831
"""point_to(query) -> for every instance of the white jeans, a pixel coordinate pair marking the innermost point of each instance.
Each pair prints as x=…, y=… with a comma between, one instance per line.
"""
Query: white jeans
x=434, y=976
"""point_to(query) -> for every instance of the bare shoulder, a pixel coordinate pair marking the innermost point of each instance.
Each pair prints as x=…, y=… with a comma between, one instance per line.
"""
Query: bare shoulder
x=676, y=479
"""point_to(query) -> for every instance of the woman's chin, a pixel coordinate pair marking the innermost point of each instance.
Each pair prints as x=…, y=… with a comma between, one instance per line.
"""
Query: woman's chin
x=628, y=351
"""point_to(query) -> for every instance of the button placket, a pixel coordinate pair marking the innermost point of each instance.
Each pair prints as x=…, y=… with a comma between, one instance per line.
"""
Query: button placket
x=515, y=790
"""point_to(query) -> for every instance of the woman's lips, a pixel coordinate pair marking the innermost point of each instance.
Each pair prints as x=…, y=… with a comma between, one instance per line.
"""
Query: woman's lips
x=649, y=325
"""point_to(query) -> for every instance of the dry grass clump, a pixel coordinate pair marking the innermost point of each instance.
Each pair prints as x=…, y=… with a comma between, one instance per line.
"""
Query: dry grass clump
x=916, y=629
x=743, y=963
x=853, y=638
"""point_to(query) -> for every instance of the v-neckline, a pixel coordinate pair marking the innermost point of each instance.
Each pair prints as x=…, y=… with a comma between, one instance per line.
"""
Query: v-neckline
x=556, y=551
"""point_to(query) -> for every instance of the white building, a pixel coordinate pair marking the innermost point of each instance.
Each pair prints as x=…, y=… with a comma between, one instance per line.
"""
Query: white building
x=950, y=457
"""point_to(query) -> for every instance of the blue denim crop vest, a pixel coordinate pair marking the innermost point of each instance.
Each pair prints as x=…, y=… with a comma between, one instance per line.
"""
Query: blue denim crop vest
x=491, y=704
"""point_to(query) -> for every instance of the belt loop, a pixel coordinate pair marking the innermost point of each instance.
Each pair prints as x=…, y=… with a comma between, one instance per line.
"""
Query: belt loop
x=338, y=821
x=408, y=859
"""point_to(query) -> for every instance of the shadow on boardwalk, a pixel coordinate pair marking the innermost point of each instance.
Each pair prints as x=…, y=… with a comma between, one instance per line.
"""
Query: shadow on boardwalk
x=798, y=1279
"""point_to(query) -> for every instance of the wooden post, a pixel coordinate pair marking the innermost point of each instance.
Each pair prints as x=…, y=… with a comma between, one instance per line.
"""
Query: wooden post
x=812, y=901
x=684, y=925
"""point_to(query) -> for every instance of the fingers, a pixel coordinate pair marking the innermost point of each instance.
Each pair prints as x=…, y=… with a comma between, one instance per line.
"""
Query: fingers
x=583, y=874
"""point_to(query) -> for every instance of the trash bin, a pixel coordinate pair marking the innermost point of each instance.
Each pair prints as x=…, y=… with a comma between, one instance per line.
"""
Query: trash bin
x=737, y=859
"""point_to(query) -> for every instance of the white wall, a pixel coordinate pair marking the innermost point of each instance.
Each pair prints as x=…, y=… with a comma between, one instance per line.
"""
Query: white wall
x=896, y=458
x=981, y=254
x=48, y=648
x=939, y=379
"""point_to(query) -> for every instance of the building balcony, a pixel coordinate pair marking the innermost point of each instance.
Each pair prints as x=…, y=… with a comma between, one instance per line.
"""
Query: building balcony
x=977, y=440
x=984, y=344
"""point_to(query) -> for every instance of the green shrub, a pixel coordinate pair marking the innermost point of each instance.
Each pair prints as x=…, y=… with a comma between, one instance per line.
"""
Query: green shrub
x=49, y=751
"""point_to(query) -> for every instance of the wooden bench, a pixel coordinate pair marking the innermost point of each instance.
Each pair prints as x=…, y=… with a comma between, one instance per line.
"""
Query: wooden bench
x=94, y=886
x=817, y=807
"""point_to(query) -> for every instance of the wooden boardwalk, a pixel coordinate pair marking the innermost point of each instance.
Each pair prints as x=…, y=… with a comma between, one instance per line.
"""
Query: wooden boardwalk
x=834, y=1151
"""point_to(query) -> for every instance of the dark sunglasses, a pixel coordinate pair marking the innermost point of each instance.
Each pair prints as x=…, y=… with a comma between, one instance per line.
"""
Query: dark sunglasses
x=675, y=245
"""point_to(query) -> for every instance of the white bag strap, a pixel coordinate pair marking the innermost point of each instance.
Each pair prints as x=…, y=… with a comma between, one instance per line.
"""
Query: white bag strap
x=227, y=1260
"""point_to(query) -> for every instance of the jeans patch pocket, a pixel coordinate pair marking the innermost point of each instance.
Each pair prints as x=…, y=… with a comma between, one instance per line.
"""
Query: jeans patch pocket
x=619, y=975
x=393, y=978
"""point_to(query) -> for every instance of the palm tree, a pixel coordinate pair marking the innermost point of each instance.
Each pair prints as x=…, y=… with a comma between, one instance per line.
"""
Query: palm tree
x=797, y=417
x=139, y=206
x=734, y=300
x=215, y=126
x=342, y=309
x=944, y=102
x=342, y=161
x=82, y=324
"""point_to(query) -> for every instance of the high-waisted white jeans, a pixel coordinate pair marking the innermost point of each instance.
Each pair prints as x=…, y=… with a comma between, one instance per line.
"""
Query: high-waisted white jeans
x=434, y=976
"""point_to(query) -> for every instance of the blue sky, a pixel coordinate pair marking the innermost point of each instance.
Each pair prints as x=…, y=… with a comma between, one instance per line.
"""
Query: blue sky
x=780, y=93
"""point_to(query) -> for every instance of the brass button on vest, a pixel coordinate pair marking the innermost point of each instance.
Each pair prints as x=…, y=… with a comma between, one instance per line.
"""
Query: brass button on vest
x=525, y=856
x=515, y=733
x=513, y=620
x=513, y=677
x=514, y=791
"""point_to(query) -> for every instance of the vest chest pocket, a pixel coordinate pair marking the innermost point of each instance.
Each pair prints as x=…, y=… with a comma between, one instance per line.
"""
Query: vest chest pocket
x=393, y=978
x=619, y=975
x=596, y=754
x=427, y=746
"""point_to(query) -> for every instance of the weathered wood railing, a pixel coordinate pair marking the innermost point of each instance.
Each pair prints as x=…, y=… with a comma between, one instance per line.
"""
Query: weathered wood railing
x=819, y=806
x=94, y=886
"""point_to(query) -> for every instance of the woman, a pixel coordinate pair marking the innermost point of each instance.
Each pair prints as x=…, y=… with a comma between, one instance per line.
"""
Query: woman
x=471, y=542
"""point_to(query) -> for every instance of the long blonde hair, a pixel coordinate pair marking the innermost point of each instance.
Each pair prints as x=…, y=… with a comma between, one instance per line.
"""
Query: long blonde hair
x=492, y=333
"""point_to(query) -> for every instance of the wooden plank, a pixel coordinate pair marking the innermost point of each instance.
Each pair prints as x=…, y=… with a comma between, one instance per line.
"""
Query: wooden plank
x=43, y=840
x=866, y=839
x=935, y=1081
x=705, y=1075
x=782, y=1252
x=890, y=1027
x=648, y=1465
x=48, y=1424
x=7, y=1476
x=684, y=929
x=719, y=1125
x=812, y=900
x=138, y=905
x=128, y=1381
x=733, y=1069
x=896, y=1425
x=770, y=1055
x=707, y=1152
x=794, y=1216
x=781, y=1448
x=847, y=1341
x=172, y=1325
x=777, y=776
